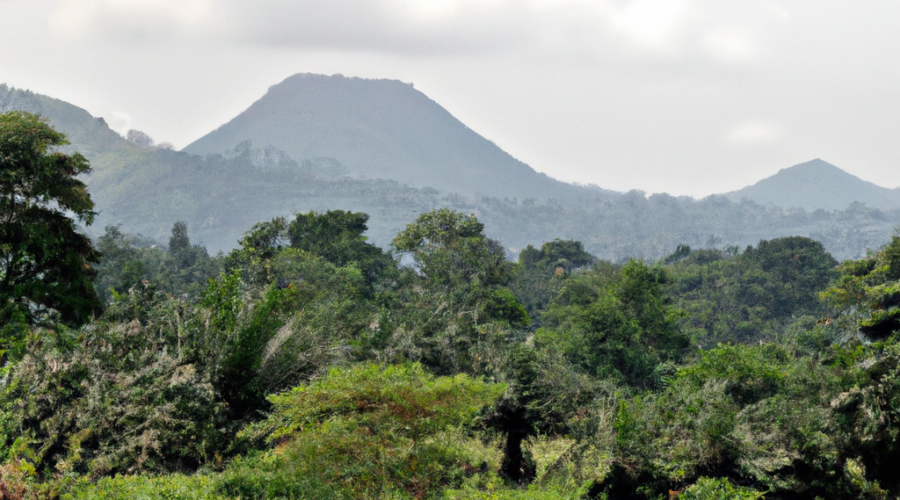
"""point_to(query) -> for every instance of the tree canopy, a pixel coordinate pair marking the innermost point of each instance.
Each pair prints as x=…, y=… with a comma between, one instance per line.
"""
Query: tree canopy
x=45, y=263
x=292, y=368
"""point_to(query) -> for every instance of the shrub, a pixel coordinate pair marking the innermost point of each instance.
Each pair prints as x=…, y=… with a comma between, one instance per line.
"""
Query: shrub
x=170, y=487
x=364, y=432
x=750, y=373
x=108, y=398
x=718, y=489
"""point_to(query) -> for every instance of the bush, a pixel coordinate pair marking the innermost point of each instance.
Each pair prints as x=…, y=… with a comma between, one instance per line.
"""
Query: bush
x=170, y=487
x=750, y=373
x=669, y=439
x=365, y=432
x=718, y=489
x=105, y=399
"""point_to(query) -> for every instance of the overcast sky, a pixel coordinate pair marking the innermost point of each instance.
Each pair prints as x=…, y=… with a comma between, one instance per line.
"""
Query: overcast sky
x=688, y=97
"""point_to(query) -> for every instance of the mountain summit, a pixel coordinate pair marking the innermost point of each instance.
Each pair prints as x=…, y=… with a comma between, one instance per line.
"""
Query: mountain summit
x=817, y=184
x=380, y=129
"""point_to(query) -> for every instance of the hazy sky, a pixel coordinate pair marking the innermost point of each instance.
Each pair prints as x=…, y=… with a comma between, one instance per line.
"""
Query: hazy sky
x=684, y=96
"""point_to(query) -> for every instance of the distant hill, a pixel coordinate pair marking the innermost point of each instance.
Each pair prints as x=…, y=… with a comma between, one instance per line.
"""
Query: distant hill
x=92, y=136
x=381, y=129
x=146, y=190
x=817, y=185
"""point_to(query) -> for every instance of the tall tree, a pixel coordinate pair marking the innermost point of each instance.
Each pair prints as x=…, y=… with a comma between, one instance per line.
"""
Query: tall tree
x=337, y=236
x=541, y=273
x=45, y=263
x=451, y=251
x=455, y=292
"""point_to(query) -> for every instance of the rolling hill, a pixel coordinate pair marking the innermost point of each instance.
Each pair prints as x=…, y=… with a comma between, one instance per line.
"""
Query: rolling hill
x=817, y=185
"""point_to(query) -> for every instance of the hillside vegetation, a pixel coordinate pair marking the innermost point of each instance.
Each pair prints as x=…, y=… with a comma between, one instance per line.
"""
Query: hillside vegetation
x=310, y=363
x=220, y=196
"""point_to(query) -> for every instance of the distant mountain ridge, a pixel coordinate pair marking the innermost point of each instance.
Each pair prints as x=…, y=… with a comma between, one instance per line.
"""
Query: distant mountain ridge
x=145, y=190
x=816, y=185
x=381, y=129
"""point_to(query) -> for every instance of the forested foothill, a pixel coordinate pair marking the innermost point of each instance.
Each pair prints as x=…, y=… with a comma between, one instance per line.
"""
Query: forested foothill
x=310, y=363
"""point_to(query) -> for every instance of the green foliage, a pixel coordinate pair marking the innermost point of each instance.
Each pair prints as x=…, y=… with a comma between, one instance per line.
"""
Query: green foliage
x=667, y=439
x=545, y=396
x=126, y=262
x=718, y=489
x=364, y=432
x=258, y=246
x=165, y=384
x=680, y=253
x=259, y=341
x=616, y=323
x=168, y=487
x=502, y=305
x=106, y=399
x=795, y=269
x=404, y=398
x=451, y=251
x=508, y=494
x=541, y=273
x=868, y=292
x=45, y=263
x=751, y=296
x=603, y=401
x=567, y=254
x=795, y=426
x=186, y=268
x=749, y=373
x=452, y=306
x=330, y=318
x=134, y=262
x=337, y=236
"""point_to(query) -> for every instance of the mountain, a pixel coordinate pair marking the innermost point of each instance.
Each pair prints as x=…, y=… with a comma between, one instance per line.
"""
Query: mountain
x=146, y=190
x=817, y=185
x=92, y=136
x=381, y=129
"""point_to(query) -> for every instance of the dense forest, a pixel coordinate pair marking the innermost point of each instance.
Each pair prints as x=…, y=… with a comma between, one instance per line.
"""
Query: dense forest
x=219, y=196
x=310, y=363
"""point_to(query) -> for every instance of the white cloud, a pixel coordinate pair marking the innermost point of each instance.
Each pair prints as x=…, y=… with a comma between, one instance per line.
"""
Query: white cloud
x=754, y=133
x=133, y=18
x=730, y=45
x=120, y=122
x=605, y=28
x=779, y=12
x=654, y=24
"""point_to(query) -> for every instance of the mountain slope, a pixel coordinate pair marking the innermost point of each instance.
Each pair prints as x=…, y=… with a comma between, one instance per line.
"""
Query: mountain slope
x=381, y=129
x=92, y=136
x=817, y=185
